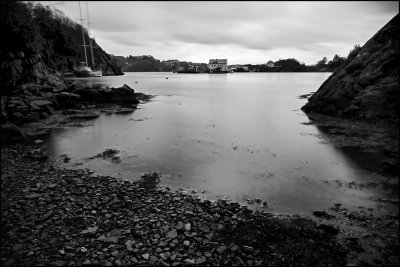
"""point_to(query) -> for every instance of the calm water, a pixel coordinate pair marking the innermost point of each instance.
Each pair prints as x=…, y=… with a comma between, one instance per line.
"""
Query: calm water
x=237, y=135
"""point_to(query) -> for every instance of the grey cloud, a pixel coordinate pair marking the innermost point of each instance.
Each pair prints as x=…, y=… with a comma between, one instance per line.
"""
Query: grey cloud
x=245, y=27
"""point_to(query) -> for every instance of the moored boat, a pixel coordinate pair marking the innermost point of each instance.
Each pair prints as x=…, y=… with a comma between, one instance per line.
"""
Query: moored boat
x=84, y=71
x=187, y=70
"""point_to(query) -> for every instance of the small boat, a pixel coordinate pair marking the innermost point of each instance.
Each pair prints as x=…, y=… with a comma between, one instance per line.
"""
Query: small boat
x=84, y=71
x=187, y=70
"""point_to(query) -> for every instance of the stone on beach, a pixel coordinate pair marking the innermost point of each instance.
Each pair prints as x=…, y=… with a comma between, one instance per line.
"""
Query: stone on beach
x=172, y=234
x=90, y=230
x=11, y=133
x=139, y=228
x=41, y=103
x=128, y=245
x=187, y=227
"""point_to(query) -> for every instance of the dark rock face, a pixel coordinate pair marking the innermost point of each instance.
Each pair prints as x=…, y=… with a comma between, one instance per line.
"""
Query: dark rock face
x=33, y=102
x=123, y=94
x=4, y=116
x=40, y=44
x=10, y=133
x=367, y=88
x=67, y=100
x=19, y=69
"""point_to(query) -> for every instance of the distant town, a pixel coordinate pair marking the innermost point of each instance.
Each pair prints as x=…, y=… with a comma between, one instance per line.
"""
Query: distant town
x=145, y=63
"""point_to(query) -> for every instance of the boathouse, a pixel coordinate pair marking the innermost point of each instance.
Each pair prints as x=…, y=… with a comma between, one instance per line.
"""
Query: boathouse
x=218, y=65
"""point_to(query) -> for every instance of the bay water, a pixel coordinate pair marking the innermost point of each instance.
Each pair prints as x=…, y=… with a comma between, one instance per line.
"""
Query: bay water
x=236, y=136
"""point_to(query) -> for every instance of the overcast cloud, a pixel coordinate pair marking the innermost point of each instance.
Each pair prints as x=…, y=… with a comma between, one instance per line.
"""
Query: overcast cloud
x=242, y=32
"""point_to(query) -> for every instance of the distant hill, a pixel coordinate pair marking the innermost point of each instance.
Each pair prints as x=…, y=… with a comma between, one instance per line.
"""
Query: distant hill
x=140, y=63
x=145, y=63
x=34, y=34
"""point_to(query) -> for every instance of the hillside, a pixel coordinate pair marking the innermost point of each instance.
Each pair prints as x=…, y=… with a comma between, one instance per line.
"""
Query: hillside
x=367, y=87
x=145, y=63
x=38, y=43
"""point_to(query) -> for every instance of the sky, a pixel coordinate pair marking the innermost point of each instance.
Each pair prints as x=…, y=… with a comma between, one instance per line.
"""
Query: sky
x=251, y=32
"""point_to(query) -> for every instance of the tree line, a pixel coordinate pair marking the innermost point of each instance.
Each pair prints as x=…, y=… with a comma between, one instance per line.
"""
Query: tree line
x=293, y=65
x=149, y=63
x=34, y=29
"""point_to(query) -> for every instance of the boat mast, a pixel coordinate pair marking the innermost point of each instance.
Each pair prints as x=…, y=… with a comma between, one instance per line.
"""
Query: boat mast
x=83, y=32
x=90, y=39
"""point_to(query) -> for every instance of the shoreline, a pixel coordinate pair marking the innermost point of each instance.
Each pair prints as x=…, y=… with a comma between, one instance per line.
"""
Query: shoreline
x=37, y=200
x=104, y=220
x=79, y=219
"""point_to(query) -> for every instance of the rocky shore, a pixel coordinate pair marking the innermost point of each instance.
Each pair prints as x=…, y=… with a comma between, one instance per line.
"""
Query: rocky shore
x=53, y=216
x=59, y=217
x=33, y=109
x=373, y=147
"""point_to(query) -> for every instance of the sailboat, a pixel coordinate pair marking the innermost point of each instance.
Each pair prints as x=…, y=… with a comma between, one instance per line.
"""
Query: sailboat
x=86, y=70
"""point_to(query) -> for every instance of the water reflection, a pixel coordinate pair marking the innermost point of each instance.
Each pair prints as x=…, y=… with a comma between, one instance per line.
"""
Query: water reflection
x=237, y=135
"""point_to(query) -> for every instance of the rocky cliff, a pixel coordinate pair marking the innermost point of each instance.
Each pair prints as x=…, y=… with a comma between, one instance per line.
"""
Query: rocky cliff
x=39, y=43
x=367, y=87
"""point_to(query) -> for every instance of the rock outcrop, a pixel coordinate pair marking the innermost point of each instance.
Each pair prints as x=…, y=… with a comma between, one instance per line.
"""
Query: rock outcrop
x=123, y=94
x=18, y=69
x=10, y=133
x=367, y=87
x=40, y=44
x=32, y=102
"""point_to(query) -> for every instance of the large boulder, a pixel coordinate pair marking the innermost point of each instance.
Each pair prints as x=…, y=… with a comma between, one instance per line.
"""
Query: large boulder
x=4, y=116
x=67, y=100
x=97, y=95
x=10, y=133
x=367, y=87
x=18, y=68
x=41, y=103
x=41, y=74
x=123, y=94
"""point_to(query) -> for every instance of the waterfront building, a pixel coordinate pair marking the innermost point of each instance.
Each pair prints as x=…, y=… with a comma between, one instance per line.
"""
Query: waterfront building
x=218, y=65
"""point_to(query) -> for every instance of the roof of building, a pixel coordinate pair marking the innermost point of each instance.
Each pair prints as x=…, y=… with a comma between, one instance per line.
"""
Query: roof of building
x=218, y=61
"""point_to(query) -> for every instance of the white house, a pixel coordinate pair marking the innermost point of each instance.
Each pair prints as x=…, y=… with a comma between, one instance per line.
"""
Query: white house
x=218, y=65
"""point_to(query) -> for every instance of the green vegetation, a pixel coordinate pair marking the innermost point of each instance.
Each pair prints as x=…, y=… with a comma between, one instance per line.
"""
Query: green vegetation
x=143, y=63
x=293, y=65
x=33, y=33
x=37, y=33
x=149, y=63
